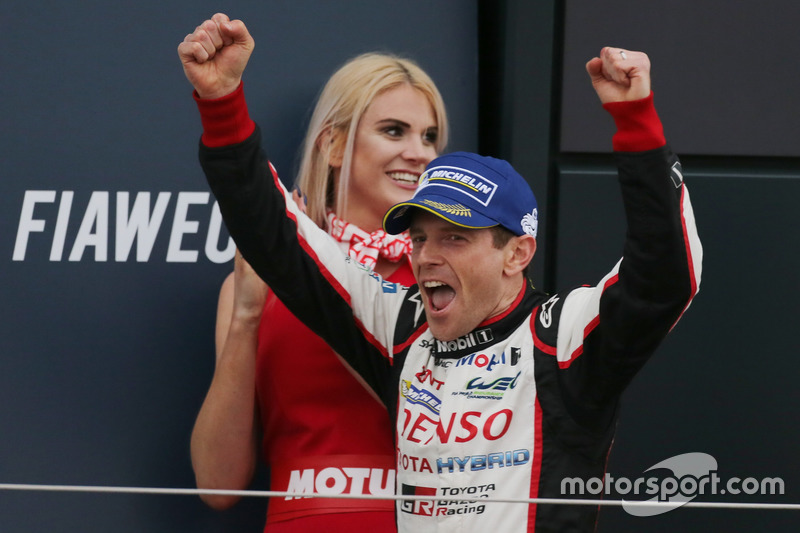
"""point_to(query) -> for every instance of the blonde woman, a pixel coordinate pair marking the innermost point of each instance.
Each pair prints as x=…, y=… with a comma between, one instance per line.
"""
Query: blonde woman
x=377, y=123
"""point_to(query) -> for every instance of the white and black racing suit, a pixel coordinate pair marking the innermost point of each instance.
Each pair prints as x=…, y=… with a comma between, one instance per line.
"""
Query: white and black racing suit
x=526, y=400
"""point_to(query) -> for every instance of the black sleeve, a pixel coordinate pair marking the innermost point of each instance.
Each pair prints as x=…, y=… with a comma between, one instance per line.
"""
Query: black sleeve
x=299, y=261
x=606, y=333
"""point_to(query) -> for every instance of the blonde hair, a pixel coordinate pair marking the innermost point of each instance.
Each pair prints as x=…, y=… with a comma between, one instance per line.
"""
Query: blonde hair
x=339, y=108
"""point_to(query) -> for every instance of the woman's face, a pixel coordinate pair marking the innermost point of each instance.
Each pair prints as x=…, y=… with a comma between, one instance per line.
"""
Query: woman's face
x=395, y=140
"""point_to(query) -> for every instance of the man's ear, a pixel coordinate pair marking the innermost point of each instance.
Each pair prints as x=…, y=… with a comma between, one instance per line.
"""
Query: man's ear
x=331, y=144
x=521, y=250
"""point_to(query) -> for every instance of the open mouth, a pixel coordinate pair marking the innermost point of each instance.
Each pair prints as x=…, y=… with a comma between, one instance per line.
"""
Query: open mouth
x=406, y=178
x=440, y=295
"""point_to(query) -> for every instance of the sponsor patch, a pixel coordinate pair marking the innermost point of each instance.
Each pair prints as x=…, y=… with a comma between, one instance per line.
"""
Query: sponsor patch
x=462, y=180
x=488, y=389
x=470, y=340
x=472, y=463
x=418, y=507
x=676, y=174
x=445, y=507
x=421, y=397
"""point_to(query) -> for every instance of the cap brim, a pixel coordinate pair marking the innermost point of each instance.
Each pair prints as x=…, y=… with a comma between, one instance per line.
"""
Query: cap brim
x=398, y=217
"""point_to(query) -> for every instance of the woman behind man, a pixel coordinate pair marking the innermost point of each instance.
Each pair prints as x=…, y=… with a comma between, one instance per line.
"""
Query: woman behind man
x=378, y=122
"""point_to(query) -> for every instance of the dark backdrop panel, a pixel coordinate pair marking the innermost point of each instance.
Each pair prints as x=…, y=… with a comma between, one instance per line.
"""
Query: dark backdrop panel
x=724, y=73
x=724, y=381
x=519, y=94
x=105, y=362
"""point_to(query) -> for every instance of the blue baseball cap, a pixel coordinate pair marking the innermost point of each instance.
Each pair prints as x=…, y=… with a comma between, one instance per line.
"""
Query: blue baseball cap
x=471, y=191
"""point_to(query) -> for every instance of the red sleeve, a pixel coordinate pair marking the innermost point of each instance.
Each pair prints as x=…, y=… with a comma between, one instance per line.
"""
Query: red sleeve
x=226, y=120
x=638, y=127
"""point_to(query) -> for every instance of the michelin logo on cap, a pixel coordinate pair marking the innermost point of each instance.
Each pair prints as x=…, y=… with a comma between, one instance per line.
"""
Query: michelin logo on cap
x=462, y=180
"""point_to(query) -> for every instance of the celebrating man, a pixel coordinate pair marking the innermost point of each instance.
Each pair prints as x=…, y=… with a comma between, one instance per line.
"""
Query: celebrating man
x=496, y=389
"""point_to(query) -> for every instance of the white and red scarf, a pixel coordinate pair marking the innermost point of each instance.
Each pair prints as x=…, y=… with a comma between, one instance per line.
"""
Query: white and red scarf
x=366, y=247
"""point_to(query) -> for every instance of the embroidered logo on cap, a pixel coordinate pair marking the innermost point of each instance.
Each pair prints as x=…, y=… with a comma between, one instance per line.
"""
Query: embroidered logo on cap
x=451, y=209
x=530, y=222
x=462, y=180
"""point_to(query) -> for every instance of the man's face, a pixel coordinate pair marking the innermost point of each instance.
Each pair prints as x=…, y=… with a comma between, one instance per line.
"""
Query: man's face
x=461, y=275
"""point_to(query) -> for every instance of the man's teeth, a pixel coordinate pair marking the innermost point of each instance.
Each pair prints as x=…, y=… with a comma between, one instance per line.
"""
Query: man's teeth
x=440, y=294
x=404, y=176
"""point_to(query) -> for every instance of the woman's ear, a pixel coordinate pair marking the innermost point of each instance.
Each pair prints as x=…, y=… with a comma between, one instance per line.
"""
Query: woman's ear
x=331, y=144
x=521, y=250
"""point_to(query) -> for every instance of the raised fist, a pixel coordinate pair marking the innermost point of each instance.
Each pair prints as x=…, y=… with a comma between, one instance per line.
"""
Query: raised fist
x=620, y=75
x=214, y=56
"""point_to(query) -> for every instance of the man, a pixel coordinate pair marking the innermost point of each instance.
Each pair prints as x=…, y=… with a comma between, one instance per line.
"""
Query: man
x=497, y=390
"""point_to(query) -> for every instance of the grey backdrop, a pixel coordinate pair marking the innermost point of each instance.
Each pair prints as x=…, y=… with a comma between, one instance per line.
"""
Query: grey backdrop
x=724, y=72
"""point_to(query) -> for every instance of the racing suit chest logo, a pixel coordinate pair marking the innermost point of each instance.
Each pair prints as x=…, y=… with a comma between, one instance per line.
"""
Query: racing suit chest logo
x=470, y=340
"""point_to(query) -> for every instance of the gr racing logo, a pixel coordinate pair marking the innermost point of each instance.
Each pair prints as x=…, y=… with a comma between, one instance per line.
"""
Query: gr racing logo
x=445, y=507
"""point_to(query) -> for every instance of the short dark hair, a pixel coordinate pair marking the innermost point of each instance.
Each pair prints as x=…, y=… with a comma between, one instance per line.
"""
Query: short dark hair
x=500, y=237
